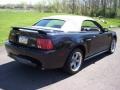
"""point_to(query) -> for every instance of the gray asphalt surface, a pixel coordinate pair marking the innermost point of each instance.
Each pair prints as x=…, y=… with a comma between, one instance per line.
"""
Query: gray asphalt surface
x=99, y=73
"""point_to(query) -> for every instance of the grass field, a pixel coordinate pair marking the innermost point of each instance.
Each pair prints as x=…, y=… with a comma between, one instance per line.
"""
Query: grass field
x=17, y=18
x=111, y=22
x=9, y=18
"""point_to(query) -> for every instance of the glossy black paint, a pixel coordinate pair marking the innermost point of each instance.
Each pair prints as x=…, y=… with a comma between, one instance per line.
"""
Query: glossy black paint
x=90, y=42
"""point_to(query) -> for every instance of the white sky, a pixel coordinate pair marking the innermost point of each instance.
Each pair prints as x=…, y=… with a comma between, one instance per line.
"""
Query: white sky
x=20, y=1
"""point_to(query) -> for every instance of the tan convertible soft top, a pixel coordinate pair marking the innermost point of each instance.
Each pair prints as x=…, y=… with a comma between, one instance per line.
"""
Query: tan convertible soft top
x=72, y=22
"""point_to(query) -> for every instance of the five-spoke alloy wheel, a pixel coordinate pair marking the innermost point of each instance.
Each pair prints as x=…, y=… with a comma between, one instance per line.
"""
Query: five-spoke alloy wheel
x=74, y=62
x=113, y=46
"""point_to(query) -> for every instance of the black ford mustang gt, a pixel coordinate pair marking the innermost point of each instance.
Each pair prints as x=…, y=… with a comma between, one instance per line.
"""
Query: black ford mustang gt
x=60, y=42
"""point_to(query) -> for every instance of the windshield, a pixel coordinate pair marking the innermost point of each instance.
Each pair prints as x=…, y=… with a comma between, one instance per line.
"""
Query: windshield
x=54, y=23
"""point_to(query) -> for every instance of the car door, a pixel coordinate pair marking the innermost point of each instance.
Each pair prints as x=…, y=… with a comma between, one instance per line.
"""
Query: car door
x=97, y=40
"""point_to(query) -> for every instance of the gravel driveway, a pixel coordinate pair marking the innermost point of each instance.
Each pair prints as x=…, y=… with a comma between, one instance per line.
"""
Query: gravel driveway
x=99, y=73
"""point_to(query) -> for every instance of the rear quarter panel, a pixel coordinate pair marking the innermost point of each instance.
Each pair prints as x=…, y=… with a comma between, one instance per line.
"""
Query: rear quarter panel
x=66, y=42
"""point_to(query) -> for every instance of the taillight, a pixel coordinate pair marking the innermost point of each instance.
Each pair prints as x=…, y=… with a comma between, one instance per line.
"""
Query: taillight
x=44, y=43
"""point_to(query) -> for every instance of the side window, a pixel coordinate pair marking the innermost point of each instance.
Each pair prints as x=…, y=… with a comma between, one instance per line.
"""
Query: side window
x=89, y=26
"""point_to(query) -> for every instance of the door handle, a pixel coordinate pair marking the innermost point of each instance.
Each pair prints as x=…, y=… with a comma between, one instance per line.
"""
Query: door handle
x=88, y=39
x=94, y=36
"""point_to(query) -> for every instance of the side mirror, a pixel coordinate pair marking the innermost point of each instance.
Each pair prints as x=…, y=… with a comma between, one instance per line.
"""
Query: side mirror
x=105, y=29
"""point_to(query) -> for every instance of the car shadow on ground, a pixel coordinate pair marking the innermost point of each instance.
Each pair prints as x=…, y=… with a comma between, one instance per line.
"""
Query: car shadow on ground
x=14, y=76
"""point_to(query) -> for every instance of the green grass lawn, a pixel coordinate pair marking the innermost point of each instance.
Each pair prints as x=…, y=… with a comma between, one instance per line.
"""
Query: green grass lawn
x=9, y=18
x=111, y=22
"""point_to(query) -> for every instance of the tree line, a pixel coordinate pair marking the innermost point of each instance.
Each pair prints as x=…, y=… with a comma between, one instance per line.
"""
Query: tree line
x=94, y=8
x=104, y=8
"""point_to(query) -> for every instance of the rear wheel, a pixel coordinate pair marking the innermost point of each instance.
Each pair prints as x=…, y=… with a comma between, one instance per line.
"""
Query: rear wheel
x=74, y=62
x=113, y=46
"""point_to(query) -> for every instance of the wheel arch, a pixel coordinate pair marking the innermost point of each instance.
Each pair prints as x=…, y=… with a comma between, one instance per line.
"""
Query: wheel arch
x=81, y=47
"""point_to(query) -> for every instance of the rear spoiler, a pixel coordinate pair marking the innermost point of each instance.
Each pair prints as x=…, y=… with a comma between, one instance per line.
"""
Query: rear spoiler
x=29, y=30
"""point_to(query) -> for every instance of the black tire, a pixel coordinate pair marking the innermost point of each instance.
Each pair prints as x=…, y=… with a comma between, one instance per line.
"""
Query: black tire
x=70, y=61
x=112, y=46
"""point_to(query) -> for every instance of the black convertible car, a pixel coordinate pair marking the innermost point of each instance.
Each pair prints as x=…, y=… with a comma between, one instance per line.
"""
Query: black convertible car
x=62, y=41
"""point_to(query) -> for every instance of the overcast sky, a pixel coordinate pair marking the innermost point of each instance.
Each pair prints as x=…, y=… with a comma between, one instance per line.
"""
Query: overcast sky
x=19, y=1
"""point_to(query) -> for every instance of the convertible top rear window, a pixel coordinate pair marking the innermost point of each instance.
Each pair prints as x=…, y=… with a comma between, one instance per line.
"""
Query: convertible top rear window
x=54, y=23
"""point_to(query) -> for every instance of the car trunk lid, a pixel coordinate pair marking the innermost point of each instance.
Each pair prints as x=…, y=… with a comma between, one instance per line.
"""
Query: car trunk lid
x=27, y=36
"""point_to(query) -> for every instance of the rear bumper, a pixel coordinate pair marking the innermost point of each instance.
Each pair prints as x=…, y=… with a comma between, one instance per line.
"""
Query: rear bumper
x=46, y=59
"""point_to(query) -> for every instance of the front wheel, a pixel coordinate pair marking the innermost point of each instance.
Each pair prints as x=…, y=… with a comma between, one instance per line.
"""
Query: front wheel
x=74, y=62
x=113, y=46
